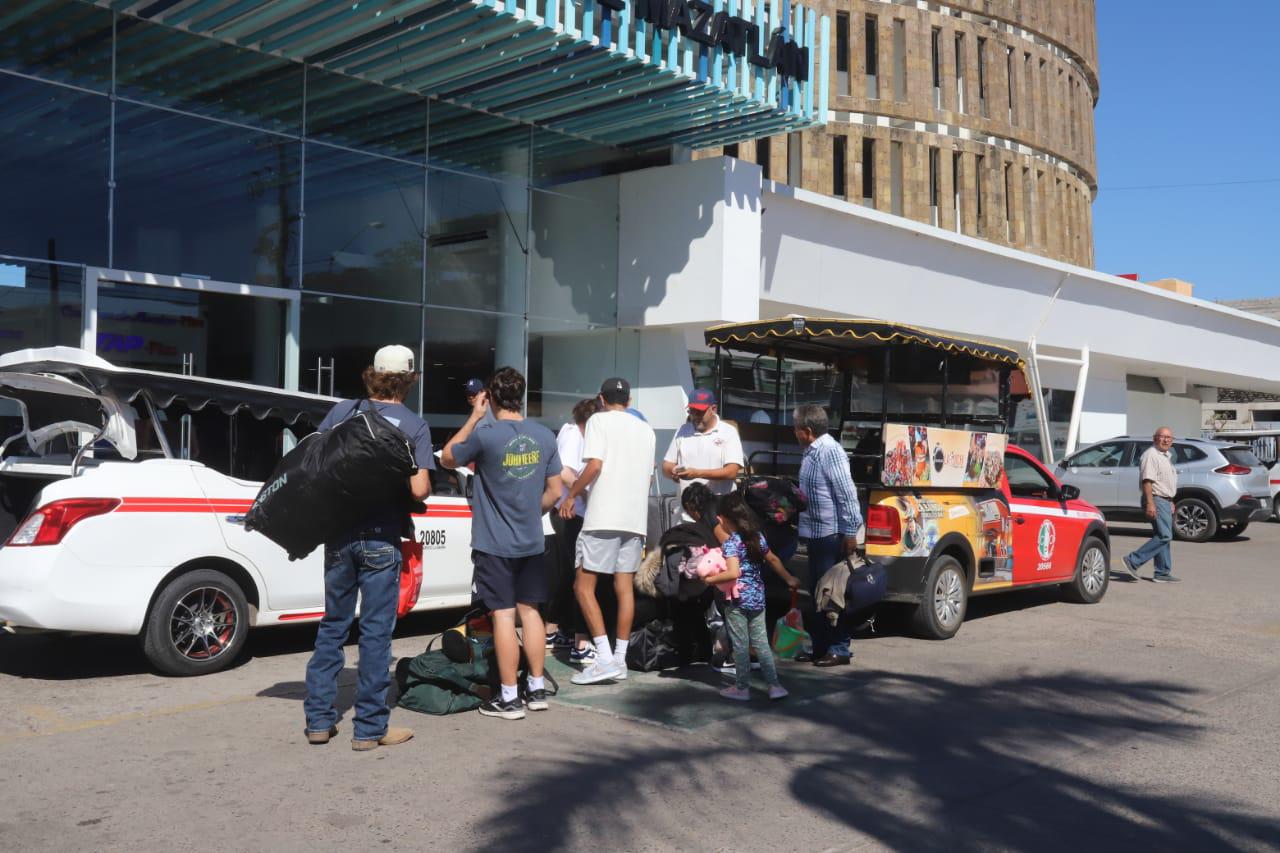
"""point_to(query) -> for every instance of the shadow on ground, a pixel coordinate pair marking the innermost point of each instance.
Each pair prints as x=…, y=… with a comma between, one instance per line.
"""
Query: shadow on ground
x=980, y=760
x=60, y=657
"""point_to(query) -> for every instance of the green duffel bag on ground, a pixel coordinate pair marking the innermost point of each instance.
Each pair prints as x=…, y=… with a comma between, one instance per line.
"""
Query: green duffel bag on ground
x=431, y=683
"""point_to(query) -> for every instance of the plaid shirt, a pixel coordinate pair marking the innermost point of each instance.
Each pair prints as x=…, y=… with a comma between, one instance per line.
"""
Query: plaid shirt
x=826, y=482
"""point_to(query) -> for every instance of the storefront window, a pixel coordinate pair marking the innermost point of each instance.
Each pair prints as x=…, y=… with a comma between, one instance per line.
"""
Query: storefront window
x=203, y=198
x=161, y=65
x=64, y=40
x=559, y=159
x=40, y=305
x=462, y=345
x=219, y=335
x=53, y=171
x=573, y=257
x=358, y=114
x=477, y=236
x=463, y=140
x=568, y=362
x=340, y=336
x=364, y=225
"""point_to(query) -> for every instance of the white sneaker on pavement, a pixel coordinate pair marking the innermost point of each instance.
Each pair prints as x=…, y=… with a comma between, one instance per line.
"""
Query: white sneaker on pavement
x=777, y=691
x=598, y=671
x=621, y=664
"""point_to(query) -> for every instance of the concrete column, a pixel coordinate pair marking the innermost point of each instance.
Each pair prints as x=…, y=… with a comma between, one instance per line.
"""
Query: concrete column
x=946, y=190
x=268, y=330
x=509, y=348
x=883, y=187
x=947, y=55
x=968, y=198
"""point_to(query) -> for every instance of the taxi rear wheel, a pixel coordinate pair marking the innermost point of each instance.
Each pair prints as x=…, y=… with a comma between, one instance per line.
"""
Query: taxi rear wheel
x=1093, y=574
x=197, y=625
x=946, y=596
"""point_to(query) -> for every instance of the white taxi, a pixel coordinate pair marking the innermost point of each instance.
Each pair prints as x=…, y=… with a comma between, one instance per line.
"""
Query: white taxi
x=122, y=502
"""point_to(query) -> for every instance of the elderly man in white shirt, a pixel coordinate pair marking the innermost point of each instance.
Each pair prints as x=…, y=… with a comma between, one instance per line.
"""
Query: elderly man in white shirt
x=1159, y=486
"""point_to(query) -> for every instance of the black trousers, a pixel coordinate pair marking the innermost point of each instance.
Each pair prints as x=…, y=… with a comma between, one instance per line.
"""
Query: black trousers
x=562, y=606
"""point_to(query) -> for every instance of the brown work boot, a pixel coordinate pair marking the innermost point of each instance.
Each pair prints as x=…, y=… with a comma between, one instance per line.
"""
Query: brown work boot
x=321, y=738
x=391, y=738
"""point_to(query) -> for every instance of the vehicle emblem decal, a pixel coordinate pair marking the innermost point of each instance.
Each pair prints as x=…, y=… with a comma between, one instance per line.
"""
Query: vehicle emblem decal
x=1046, y=539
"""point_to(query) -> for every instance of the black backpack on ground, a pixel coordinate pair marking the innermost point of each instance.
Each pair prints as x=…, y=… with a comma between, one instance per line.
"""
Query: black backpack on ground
x=334, y=481
x=653, y=647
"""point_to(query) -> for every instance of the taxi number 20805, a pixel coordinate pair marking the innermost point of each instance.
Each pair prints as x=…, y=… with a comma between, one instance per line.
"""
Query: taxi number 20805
x=431, y=538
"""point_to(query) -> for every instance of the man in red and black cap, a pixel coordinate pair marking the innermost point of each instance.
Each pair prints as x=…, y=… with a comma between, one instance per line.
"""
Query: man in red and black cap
x=705, y=449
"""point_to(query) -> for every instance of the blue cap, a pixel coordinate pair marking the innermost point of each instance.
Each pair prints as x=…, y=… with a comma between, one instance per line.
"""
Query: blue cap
x=474, y=386
x=702, y=398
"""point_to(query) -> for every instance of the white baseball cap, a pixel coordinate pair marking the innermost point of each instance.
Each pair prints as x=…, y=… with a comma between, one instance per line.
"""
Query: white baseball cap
x=393, y=358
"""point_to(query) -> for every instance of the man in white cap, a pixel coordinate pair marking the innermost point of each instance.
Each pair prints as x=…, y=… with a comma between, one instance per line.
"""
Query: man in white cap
x=366, y=561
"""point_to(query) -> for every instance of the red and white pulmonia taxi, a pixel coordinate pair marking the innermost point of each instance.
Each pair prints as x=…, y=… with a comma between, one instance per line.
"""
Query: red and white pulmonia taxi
x=122, y=501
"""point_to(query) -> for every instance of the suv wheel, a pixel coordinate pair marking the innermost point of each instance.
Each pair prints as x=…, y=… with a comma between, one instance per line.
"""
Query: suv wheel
x=1194, y=520
x=1231, y=530
x=197, y=625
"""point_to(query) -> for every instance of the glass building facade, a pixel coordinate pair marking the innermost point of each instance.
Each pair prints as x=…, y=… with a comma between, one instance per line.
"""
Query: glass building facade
x=247, y=217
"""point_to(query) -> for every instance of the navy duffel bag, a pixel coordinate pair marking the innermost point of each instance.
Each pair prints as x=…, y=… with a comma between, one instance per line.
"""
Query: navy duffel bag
x=333, y=482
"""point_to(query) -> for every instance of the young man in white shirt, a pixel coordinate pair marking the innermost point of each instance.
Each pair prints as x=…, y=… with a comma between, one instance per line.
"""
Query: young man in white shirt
x=705, y=449
x=619, y=455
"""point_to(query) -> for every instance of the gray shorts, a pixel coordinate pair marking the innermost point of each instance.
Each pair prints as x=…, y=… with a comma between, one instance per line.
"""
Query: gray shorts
x=608, y=552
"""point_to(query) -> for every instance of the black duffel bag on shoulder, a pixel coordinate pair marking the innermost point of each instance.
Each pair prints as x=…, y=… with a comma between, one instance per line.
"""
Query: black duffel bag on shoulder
x=333, y=481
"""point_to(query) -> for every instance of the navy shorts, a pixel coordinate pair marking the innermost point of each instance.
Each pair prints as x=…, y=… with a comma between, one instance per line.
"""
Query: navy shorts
x=499, y=582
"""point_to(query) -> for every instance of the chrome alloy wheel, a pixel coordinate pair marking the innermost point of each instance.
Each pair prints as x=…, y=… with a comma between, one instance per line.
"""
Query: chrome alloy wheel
x=1093, y=571
x=948, y=597
x=203, y=624
x=1191, y=520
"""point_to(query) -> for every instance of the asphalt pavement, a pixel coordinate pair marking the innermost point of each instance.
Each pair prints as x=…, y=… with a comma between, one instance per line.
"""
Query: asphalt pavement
x=1146, y=722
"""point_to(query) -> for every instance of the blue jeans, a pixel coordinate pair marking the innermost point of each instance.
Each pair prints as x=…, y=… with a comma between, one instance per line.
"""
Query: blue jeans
x=823, y=554
x=367, y=563
x=1157, y=547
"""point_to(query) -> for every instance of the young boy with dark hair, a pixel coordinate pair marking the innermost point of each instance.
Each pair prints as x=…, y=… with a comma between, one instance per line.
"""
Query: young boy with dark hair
x=517, y=480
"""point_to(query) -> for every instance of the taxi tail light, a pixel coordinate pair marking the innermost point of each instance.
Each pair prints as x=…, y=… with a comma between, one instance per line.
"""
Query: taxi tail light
x=884, y=525
x=1238, y=470
x=49, y=524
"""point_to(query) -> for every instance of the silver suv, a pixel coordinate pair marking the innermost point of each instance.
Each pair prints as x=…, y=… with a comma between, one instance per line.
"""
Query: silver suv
x=1221, y=486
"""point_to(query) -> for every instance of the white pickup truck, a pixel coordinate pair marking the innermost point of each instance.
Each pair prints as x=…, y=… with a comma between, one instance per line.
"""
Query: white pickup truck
x=111, y=525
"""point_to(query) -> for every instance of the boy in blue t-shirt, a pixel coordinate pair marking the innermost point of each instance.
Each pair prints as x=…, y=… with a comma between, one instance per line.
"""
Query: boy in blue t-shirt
x=517, y=481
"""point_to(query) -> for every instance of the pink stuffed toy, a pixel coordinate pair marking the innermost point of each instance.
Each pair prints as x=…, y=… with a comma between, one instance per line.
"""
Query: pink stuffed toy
x=711, y=562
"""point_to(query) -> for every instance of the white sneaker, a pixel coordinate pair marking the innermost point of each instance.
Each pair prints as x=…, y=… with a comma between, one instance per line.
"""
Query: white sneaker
x=737, y=694
x=600, y=670
x=777, y=691
x=621, y=664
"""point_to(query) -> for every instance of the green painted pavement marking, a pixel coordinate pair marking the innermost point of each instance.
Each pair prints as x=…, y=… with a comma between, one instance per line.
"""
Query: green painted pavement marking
x=688, y=697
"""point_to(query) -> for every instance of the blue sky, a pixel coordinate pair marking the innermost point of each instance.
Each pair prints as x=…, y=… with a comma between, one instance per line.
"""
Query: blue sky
x=1189, y=98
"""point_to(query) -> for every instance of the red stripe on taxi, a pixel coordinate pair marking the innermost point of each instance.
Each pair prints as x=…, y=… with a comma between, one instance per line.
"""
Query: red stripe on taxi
x=230, y=505
x=290, y=617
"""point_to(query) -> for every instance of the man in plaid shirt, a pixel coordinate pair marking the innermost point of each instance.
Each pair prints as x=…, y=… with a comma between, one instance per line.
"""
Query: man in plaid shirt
x=829, y=527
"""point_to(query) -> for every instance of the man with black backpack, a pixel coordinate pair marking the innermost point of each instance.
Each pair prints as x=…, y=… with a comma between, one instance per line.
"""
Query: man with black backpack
x=366, y=561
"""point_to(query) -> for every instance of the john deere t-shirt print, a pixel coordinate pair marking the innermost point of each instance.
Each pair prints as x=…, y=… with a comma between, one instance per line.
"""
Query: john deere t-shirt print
x=513, y=461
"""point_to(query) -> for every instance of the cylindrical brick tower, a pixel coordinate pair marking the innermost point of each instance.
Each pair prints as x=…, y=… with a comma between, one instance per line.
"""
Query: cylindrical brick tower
x=972, y=115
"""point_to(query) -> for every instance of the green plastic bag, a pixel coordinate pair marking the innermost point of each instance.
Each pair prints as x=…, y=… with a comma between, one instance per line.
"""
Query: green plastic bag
x=789, y=636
